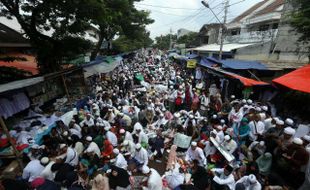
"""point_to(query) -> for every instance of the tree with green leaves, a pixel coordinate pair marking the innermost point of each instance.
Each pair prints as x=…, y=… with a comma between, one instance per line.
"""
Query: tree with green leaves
x=163, y=42
x=300, y=20
x=190, y=40
x=126, y=44
x=120, y=18
x=55, y=28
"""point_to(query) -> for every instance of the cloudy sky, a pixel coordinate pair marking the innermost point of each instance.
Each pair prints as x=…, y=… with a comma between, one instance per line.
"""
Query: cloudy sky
x=188, y=14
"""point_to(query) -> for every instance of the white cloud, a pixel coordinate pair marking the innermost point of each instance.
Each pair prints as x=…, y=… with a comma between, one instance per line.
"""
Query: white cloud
x=187, y=17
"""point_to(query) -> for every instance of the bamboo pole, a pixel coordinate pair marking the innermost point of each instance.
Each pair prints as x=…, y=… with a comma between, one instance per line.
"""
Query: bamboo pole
x=16, y=152
x=66, y=88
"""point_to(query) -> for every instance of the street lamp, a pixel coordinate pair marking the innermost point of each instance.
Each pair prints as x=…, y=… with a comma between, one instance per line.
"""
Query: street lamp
x=206, y=4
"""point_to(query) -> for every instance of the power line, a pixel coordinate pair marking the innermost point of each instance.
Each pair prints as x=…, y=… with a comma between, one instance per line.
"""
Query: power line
x=151, y=10
x=166, y=7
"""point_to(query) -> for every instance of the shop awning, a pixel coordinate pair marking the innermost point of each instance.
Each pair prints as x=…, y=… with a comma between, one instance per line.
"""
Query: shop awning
x=297, y=80
x=20, y=84
x=242, y=65
x=216, y=47
x=192, y=56
x=245, y=81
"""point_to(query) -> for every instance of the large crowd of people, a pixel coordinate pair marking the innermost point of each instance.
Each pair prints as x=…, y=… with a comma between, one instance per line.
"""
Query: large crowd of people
x=173, y=117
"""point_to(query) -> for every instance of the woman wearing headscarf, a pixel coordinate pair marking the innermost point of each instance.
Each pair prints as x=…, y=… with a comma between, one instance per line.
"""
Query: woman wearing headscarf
x=242, y=131
x=107, y=149
x=172, y=159
x=118, y=178
x=264, y=163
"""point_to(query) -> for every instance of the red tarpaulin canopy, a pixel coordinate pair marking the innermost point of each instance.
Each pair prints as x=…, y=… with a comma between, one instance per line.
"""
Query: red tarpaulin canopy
x=297, y=80
x=248, y=82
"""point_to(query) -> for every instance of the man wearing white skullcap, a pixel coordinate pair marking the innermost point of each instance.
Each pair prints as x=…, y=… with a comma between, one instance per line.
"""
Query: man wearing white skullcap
x=295, y=156
x=153, y=181
x=235, y=115
x=195, y=153
x=256, y=149
x=111, y=136
x=92, y=146
x=289, y=122
x=129, y=148
x=287, y=137
x=257, y=128
x=230, y=144
x=141, y=156
x=125, y=135
x=120, y=161
x=250, y=182
x=47, y=172
x=32, y=170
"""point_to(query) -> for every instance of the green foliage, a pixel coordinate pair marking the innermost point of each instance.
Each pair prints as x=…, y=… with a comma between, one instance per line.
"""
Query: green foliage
x=300, y=19
x=66, y=21
x=123, y=19
x=126, y=44
x=163, y=42
x=190, y=40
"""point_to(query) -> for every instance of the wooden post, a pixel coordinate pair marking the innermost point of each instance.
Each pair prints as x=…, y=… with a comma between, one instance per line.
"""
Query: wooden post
x=66, y=88
x=16, y=152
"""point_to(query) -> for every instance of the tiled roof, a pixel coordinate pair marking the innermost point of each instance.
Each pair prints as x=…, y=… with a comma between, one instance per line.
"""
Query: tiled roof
x=270, y=8
x=249, y=11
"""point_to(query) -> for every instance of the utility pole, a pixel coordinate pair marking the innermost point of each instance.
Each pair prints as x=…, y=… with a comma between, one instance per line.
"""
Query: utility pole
x=223, y=29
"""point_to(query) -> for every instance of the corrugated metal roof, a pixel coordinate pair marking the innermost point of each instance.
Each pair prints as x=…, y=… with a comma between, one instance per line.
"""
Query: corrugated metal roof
x=20, y=84
x=278, y=66
x=216, y=47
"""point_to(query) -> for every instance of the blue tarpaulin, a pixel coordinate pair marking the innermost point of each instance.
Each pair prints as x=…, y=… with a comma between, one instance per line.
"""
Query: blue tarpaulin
x=192, y=56
x=240, y=64
x=206, y=62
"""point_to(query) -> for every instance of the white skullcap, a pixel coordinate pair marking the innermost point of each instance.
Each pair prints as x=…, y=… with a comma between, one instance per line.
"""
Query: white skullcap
x=122, y=131
x=89, y=138
x=297, y=141
x=145, y=169
x=227, y=137
x=191, y=116
x=306, y=138
x=115, y=151
x=44, y=160
x=161, y=115
x=222, y=121
x=262, y=143
x=62, y=146
x=107, y=128
x=65, y=133
x=214, y=116
x=252, y=178
x=289, y=121
x=90, y=149
x=138, y=146
x=219, y=127
x=265, y=108
x=125, y=143
x=149, y=108
x=249, y=101
x=243, y=101
x=194, y=144
x=171, y=87
x=279, y=122
x=120, y=114
x=289, y=131
x=35, y=146
x=97, y=114
x=258, y=109
x=246, y=106
x=232, y=96
x=177, y=115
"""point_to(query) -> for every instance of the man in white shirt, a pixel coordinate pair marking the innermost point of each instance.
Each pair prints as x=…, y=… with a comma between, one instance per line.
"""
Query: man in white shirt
x=195, y=153
x=92, y=146
x=32, y=170
x=235, y=115
x=111, y=136
x=154, y=181
x=119, y=159
x=129, y=148
x=230, y=144
x=141, y=156
x=250, y=182
x=72, y=157
x=47, y=172
x=257, y=128
x=223, y=177
x=125, y=135
x=88, y=121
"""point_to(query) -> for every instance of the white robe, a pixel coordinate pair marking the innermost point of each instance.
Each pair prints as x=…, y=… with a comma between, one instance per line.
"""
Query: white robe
x=154, y=181
x=142, y=156
x=32, y=170
x=112, y=138
x=47, y=172
x=120, y=161
x=196, y=154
